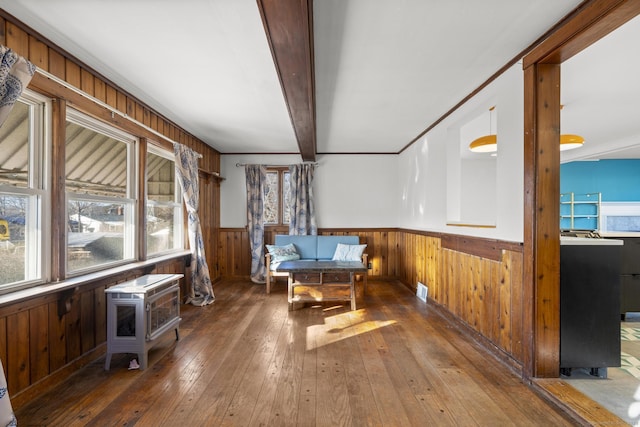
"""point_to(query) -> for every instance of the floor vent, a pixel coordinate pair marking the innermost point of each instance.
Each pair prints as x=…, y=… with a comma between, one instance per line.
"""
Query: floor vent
x=422, y=291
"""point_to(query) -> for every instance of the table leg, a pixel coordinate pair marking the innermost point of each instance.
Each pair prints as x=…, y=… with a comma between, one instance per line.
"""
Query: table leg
x=353, y=291
x=290, y=291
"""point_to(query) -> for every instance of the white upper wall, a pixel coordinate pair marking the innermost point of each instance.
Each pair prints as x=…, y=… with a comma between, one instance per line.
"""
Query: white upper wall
x=350, y=191
x=429, y=176
x=233, y=190
x=357, y=191
x=411, y=190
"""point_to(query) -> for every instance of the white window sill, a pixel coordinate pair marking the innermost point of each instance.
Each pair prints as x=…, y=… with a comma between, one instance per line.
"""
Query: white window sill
x=49, y=288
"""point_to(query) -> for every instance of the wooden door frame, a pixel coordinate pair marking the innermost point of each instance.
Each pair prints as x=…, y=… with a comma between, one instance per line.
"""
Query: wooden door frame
x=592, y=21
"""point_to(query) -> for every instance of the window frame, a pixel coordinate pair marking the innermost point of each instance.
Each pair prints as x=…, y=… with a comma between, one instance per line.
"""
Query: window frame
x=176, y=204
x=131, y=222
x=37, y=265
x=280, y=171
x=46, y=235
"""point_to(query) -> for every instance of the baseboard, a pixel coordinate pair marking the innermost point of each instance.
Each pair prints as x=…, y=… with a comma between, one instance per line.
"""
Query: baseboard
x=57, y=377
x=505, y=358
x=580, y=408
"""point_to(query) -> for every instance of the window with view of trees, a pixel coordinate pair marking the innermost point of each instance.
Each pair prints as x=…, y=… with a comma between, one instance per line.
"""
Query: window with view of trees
x=276, y=200
x=22, y=192
x=164, y=203
x=99, y=221
x=100, y=187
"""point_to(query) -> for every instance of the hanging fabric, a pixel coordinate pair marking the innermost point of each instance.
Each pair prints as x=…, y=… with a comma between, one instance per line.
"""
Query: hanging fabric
x=303, y=212
x=15, y=74
x=256, y=178
x=7, y=418
x=201, y=292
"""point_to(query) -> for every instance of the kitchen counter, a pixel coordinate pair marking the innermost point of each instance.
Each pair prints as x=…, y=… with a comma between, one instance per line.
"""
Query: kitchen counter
x=589, y=304
x=620, y=234
x=584, y=241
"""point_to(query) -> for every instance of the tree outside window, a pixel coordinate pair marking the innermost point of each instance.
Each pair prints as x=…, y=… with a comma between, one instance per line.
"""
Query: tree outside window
x=276, y=200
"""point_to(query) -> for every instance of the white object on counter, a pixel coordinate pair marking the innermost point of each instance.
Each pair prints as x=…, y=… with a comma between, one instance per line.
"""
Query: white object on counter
x=620, y=234
x=585, y=241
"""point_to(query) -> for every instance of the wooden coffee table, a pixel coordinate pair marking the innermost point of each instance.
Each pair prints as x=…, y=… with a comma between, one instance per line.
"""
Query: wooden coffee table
x=322, y=280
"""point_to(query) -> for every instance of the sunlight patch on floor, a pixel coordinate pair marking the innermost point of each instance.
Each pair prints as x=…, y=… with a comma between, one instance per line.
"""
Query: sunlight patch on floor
x=630, y=364
x=634, y=408
x=629, y=334
x=342, y=326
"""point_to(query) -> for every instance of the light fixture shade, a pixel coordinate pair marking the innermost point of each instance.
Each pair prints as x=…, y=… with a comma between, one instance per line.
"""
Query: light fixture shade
x=569, y=142
x=484, y=144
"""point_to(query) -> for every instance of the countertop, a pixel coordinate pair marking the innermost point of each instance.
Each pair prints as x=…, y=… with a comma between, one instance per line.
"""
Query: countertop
x=619, y=234
x=586, y=241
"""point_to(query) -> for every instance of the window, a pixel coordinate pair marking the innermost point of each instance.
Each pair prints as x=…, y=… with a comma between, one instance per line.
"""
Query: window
x=276, y=200
x=100, y=217
x=100, y=187
x=164, y=203
x=23, y=196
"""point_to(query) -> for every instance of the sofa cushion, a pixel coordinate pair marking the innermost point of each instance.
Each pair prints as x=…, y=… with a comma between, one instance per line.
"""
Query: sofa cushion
x=306, y=246
x=348, y=252
x=327, y=245
x=283, y=253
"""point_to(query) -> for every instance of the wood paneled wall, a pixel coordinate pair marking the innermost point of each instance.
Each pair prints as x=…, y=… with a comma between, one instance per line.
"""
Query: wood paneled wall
x=234, y=254
x=50, y=58
x=45, y=338
x=478, y=280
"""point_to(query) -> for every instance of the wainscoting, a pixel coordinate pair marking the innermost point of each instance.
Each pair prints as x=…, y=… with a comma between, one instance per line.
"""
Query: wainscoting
x=46, y=338
x=479, y=281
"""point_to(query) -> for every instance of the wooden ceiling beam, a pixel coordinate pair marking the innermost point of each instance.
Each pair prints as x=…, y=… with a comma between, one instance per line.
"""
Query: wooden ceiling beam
x=288, y=25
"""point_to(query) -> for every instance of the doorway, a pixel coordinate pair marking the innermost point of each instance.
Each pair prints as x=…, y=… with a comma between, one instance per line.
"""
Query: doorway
x=542, y=68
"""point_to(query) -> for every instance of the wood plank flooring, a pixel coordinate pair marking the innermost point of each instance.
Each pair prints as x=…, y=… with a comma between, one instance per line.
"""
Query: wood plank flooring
x=247, y=361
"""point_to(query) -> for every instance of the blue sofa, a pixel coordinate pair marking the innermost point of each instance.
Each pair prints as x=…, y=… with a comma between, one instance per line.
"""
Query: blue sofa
x=315, y=248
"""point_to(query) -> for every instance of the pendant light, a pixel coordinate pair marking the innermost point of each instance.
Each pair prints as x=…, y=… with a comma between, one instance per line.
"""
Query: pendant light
x=487, y=143
x=569, y=142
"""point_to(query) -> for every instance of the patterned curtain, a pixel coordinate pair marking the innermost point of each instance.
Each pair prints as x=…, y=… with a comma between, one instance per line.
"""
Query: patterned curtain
x=201, y=292
x=15, y=74
x=256, y=177
x=303, y=212
x=7, y=418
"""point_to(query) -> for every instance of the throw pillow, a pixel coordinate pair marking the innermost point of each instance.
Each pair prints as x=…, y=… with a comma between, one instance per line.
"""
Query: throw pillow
x=283, y=253
x=348, y=252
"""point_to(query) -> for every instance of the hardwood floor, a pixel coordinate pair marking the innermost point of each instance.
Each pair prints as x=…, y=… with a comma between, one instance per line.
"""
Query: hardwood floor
x=246, y=360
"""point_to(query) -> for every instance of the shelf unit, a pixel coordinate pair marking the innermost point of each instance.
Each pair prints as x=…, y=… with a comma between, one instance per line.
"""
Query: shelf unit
x=580, y=211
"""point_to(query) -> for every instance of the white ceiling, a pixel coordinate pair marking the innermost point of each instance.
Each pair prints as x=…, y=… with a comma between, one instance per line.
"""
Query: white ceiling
x=601, y=97
x=385, y=70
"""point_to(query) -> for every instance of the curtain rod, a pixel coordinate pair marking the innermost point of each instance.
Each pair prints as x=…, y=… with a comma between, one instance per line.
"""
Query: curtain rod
x=105, y=105
x=240, y=165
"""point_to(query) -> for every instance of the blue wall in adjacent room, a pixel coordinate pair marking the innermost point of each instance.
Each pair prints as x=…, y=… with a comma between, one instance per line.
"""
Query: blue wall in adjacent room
x=617, y=180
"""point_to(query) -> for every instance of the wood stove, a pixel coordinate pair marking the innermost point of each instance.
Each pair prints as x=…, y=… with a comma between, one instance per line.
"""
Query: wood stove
x=139, y=311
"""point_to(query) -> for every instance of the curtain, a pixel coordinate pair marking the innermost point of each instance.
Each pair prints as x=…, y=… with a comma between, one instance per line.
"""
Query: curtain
x=256, y=177
x=7, y=418
x=303, y=212
x=201, y=292
x=15, y=74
